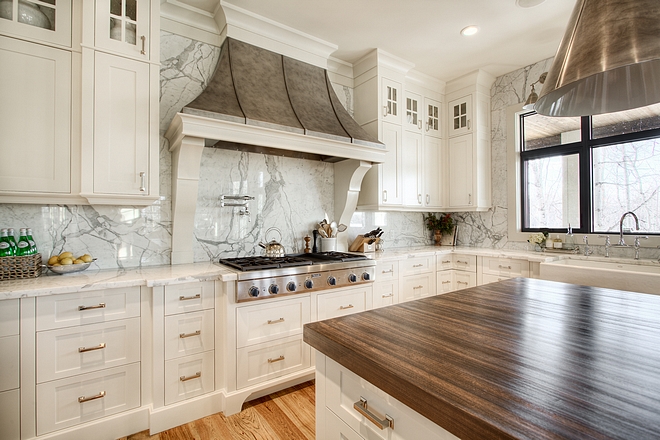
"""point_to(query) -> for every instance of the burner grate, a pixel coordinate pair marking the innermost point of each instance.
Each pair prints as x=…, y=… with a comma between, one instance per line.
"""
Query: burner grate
x=261, y=263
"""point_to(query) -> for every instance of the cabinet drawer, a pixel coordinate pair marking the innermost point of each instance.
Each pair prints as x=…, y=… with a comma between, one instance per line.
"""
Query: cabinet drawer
x=416, y=287
x=10, y=414
x=467, y=263
x=416, y=265
x=188, y=333
x=189, y=376
x=258, y=363
x=332, y=305
x=506, y=267
x=189, y=297
x=9, y=355
x=387, y=270
x=344, y=388
x=8, y=317
x=65, y=352
x=444, y=262
x=336, y=429
x=385, y=293
x=445, y=281
x=265, y=322
x=78, y=399
x=57, y=311
x=463, y=280
x=487, y=278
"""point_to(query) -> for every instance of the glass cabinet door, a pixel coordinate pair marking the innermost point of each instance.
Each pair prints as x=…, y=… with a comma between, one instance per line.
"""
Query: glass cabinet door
x=122, y=26
x=42, y=20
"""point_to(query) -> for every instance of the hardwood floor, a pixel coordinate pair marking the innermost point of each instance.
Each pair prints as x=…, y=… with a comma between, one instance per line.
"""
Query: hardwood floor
x=285, y=415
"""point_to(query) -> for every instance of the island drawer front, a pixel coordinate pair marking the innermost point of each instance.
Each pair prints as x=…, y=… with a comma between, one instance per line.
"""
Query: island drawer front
x=189, y=376
x=333, y=304
x=487, y=278
x=260, y=323
x=258, y=363
x=8, y=317
x=417, y=265
x=444, y=282
x=344, y=388
x=103, y=393
x=66, y=310
x=467, y=263
x=385, y=293
x=189, y=333
x=337, y=429
x=9, y=363
x=420, y=286
x=506, y=267
x=189, y=297
x=444, y=261
x=387, y=270
x=10, y=418
x=463, y=280
x=70, y=351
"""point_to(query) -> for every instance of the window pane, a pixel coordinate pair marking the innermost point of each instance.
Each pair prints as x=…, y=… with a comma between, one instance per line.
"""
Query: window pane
x=627, y=178
x=542, y=131
x=553, y=192
x=629, y=121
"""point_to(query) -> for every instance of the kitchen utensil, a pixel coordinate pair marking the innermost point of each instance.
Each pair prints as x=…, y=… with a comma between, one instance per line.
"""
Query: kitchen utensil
x=341, y=228
x=315, y=234
x=333, y=229
x=273, y=248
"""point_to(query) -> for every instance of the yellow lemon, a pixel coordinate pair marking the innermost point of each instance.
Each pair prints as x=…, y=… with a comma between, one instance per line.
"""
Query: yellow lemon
x=86, y=258
x=78, y=261
x=53, y=260
x=65, y=255
x=66, y=261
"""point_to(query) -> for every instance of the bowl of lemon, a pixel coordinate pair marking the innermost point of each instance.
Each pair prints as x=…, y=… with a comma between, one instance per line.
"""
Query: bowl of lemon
x=67, y=263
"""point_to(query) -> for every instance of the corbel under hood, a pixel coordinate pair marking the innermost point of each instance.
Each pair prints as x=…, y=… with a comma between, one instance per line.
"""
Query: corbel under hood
x=260, y=101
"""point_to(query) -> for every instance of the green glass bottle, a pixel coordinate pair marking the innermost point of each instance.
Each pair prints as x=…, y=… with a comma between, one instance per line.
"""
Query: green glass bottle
x=33, y=245
x=23, y=244
x=5, y=248
x=12, y=240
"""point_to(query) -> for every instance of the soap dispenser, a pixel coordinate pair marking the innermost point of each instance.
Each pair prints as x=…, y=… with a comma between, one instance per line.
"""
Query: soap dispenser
x=569, y=242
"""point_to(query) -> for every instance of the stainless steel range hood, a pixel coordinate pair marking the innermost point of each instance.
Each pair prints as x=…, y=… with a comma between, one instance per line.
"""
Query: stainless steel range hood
x=261, y=89
x=261, y=101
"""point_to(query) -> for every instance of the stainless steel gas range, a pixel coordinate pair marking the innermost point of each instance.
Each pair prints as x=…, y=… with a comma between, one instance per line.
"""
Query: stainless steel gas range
x=263, y=277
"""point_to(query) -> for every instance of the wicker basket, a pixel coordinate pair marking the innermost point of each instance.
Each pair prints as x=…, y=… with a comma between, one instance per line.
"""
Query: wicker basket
x=16, y=268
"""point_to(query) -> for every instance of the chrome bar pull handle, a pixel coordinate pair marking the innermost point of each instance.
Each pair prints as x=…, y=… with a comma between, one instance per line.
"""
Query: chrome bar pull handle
x=186, y=298
x=99, y=306
x=83, y=399
x=86, y=349
x=272, y=361
x=194, y=376
x=143, y=186
x=275, y=321
x=362, y=407
x=188, y=335
x=144, y=39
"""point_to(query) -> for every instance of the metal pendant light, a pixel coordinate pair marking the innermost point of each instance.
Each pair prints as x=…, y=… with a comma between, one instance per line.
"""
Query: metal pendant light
x=608, y=60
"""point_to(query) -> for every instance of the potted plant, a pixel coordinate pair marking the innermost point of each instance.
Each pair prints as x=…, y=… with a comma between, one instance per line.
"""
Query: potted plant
x=443, y=224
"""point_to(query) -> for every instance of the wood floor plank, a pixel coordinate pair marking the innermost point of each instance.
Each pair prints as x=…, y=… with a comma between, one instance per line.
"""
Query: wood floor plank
x=286, y=415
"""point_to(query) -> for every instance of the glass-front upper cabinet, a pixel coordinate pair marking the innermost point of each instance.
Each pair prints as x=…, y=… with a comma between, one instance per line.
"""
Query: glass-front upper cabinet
x=39, y=20
x=122, y=26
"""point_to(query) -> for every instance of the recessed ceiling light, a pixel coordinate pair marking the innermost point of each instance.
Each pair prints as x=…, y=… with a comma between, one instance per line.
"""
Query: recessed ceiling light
x=528, y=3
x=469, y=30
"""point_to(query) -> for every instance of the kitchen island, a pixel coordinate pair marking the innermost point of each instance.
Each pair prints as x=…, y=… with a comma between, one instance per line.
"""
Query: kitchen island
x=522, y=358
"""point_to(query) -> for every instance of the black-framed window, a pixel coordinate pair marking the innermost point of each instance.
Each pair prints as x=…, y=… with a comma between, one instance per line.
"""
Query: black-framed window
x=588, y=171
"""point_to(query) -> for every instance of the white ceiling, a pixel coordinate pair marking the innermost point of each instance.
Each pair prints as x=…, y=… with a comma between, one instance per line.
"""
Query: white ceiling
x=425, y=32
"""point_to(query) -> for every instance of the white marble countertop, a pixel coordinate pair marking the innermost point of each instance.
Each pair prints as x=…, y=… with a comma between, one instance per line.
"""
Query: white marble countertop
x=96, y=279
x=397, y=253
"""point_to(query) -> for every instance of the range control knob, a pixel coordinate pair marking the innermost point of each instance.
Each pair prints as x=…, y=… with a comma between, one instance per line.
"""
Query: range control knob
x=291, y=286
x=253, y=291
x=332, y=281
x=366, y=276
x=273, y=289
x=309, y=284
x=352, y=278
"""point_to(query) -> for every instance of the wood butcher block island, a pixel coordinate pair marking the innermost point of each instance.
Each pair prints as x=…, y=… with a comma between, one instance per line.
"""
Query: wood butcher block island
x=522, y=358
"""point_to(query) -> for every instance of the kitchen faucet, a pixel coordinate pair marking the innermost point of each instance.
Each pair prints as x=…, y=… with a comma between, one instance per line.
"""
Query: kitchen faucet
x=622, y=242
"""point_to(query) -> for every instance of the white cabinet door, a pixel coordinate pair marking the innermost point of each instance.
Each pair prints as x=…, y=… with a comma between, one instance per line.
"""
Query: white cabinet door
x=390, y=169
x=432, y=170
x=391, y=100
x=10, y=414
x=411, y=169
x=412, y=119
x=123, y=26
x=35, y=118
x=460, y=116
x=121, y=126
x=50, y=21
x=433, y=118
x=461, y=170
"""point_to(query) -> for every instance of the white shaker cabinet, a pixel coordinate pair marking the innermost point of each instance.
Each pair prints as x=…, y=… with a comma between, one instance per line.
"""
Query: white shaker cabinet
x=35, y=120
x=48, y=22
x=461, y=172
x=123, y=27
x=433, y=172
x=460, y=116
x=413, y=118
x=433, y=117
x=411, y=169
